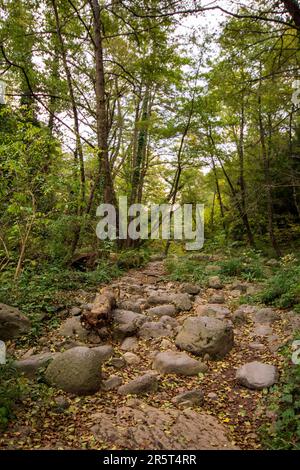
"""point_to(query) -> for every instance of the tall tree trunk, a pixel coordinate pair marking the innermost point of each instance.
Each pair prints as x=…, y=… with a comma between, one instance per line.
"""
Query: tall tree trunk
x=107, y=189
x=266, y=169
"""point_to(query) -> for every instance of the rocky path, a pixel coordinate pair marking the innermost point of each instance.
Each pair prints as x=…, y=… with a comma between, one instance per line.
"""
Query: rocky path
x=184, y=368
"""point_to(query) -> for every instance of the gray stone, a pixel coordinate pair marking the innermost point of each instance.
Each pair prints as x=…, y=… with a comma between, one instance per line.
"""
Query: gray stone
x=77, y=371
x=61, y=403
x=205, y=335
x=162, y=310
x=167, y=344
x=266, y=315
x=31, y=365
x=152, y=329
x=104, y=352
x=242, y=314
x=159, y=299
x=189, y=288
x=12, y=322
x=73, y=327
x=217, y=299
x=114, y=381
x=257, y=375
x=130, y=343
x=171, y=362
x=146, y=383
x=126, y=323
x=215, y=282
x=237, y=286
x=190, y=398
x=131, y=358
x=157, y=428
x=75, y=311
x=212, y=310
x=132, y=306
x=182, y=302
x=117, y=362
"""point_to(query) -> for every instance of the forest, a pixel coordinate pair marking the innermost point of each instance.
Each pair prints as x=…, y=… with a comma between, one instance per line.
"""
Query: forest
x=159, y=103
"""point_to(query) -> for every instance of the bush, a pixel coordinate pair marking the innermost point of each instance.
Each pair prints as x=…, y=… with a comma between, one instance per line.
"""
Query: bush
x=11, y=388
x=283, y=288
x=284, y=433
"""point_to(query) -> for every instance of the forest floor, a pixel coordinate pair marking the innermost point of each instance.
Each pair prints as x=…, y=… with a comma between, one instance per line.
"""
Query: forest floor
x=41, y=424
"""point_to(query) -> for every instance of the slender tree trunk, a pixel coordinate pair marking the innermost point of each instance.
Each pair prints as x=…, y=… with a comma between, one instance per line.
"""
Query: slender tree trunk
x=267, y=177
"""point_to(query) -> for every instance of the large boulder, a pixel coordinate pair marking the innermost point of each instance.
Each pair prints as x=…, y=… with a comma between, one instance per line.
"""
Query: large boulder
x=126, y=323
x=77, y=371
x=179, y=363
x=138, y=426
x=205, y=335
x=257, y=375
x=31, y=365
x=12, y=322
x=146, y=383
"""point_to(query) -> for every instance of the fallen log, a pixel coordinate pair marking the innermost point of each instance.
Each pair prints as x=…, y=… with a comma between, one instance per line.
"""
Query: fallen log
x=100, y=316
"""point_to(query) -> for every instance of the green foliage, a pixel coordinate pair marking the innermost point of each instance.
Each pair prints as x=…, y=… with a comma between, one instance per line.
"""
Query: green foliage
x=128, y=259
x=284, y=432
x=11, y=388
x=282, y=289
x=185, y=269
x=246, y=267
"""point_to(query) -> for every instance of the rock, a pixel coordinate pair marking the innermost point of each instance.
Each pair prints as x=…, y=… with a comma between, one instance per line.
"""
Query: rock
x=167, y=344
x=212, y=396
x=104, y=352
x=257, y=375
x=75, y=311
x=217, y=299
x=266, y=315
x=241, y=315
x=189, y=288
x=131, y=358
x=274, y=343
x=135, y=289
x=12, y=323
x=159, y=299
x=117, y=362
x=212, y=310
x=205, y=335
x=182, y=302
x=262, y=330
x=166, y=320
x=212, y=268
x=114, y=381
x=61, y=403
x=130, y=343
x=170, y=362
x=237, y=286
x=132, y=306
x=215, y=282
x=163, y=429
x=31, y=365
x=146, y=383
x=73, y=327
x=256, y=346
x=152, y=329
x=126, y=323
x=235, y=293
x=161, y=310
x=77, y=371
x=189, y=398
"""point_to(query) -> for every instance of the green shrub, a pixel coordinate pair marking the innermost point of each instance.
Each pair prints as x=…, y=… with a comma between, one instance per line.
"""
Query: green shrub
x=284, y=432
x=11, y=389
